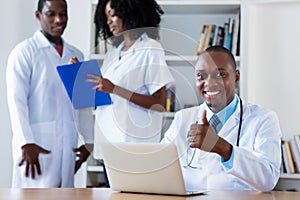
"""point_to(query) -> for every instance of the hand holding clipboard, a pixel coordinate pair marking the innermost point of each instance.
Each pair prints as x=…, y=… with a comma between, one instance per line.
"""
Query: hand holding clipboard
x=80, y=91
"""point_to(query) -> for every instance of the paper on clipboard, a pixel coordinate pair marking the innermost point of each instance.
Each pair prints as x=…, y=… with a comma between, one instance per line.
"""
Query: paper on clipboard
x=79, y=91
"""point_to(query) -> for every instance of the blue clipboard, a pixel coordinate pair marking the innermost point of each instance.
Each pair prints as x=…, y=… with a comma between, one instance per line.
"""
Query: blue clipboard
x=79, y=91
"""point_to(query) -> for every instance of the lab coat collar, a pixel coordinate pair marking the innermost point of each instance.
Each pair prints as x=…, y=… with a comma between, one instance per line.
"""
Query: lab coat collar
x=234, y=120
x=43, y=42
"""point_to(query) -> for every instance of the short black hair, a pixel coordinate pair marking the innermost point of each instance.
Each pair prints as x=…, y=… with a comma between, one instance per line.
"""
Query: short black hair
x=217, y=48
x=135, y=14
x=41, y=4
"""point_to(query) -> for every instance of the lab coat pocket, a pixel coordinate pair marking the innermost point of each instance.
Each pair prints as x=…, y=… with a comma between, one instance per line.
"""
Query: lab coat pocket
x=44, y=134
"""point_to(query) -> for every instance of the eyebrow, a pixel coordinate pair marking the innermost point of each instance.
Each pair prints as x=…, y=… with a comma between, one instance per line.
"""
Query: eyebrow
x=217, y=69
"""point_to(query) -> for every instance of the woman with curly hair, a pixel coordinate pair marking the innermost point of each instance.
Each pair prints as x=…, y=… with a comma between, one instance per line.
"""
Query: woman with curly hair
x=134, y=72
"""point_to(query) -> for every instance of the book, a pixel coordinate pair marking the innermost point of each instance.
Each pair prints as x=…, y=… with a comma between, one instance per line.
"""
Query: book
x=296, y=154
x=297, y=140
x=287, y=157
x=220, y=37
x=207, y=36
x=285, y=162
x=235, y=34
x=212, y=35
x=226, y=27
x=230, y=33
x=79, y=91
x=216, y=32
x=200, y=41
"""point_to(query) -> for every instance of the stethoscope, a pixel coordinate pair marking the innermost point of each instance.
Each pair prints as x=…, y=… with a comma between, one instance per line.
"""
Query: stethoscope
x=240, y=123
x=238, y=136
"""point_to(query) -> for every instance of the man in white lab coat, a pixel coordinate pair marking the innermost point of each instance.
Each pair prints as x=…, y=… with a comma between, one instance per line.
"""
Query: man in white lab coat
x=225, y=143
x=44, y=124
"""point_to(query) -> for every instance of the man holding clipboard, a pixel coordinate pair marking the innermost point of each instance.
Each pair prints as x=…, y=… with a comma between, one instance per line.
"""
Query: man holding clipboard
x=45, y=126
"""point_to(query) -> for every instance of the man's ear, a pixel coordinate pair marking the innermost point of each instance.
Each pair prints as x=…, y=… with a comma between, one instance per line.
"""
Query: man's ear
x=37, y=14
x=237, y=76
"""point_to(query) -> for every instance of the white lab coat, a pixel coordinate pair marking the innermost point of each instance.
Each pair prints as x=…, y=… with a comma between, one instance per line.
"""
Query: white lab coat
x=141, y=69
x=42, y=113
x=256, y=162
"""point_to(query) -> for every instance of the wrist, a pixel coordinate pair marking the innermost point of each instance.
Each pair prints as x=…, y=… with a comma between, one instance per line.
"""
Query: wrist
x=224, y=149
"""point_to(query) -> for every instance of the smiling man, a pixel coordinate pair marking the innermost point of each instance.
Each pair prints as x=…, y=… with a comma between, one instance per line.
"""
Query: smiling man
x=44, y=124
x=225, y=143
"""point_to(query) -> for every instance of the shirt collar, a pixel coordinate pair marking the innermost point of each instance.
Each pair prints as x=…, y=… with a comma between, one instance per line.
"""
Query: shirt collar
x=42, y=40
x=225, y=113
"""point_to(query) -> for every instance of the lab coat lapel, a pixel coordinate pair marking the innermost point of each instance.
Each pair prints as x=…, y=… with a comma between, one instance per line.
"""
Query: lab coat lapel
x=231, y=126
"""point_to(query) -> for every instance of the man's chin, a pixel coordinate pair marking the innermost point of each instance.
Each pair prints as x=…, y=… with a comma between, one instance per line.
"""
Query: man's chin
x=214, y=106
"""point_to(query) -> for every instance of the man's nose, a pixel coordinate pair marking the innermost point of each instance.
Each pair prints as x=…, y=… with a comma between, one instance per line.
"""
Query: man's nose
x=58, y=18
x=210, y=80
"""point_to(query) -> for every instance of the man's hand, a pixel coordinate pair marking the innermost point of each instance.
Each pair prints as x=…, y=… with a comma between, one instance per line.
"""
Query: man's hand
x=30, y=155
x=73, y=60
x=82, y=153
x=204, y=137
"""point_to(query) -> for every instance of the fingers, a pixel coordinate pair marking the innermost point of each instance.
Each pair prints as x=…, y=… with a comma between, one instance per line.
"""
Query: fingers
x=194, y=135
x=21, y=162
x=44, y=151
x=32, y=171
x=31, y=158
x=76, y=150
x=33, y=168
x=94, y=79
x=27, y=170
x=38, y=168
x=94, y=76
x=91, y=80
x=77, y=166
x=73, y=60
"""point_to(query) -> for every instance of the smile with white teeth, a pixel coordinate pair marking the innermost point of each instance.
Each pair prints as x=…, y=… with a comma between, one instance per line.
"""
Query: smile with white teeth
x=212, y=93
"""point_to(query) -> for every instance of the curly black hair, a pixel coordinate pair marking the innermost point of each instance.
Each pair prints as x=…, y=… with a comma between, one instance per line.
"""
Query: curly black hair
x=135, y=14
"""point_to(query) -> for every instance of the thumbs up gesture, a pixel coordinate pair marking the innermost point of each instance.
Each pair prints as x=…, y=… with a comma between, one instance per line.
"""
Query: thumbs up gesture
x=202, y=136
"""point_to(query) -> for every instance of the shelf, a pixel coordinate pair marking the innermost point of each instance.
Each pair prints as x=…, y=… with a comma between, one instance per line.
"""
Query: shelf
x=97, y=56
x=94, y=168
x=200, y=6
x=290, y=176
x=169, y=58
x=169, y=114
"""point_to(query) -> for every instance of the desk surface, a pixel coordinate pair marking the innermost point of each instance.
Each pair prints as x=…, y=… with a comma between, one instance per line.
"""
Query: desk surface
x=107, y=194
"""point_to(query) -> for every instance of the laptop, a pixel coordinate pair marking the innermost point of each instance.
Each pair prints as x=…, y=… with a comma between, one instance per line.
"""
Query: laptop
x=145, y=168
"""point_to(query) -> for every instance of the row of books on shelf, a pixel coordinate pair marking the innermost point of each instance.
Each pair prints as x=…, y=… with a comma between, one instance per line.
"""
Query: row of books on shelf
x=227, y=35
x=291, y=155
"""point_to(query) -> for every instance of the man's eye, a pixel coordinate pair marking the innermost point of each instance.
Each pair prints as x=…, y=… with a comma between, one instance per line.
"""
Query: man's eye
x=64, y=14
x=220, y=75
x=50, y=14
x=201, y=76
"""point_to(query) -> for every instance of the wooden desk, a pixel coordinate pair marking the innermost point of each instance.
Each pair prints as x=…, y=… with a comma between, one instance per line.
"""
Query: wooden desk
x=107, y=194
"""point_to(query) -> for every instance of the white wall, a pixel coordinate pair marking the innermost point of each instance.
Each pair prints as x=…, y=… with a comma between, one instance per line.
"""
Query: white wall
x=17, y=22
x=272, y=49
